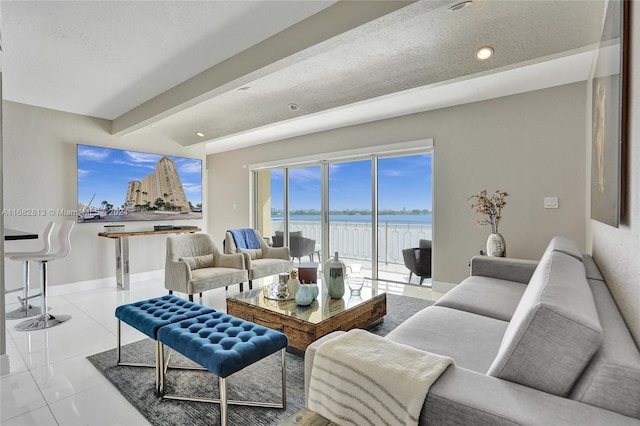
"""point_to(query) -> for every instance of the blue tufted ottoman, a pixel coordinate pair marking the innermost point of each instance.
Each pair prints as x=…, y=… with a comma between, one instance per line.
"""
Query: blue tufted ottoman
x=149, y=315
x=224, y=345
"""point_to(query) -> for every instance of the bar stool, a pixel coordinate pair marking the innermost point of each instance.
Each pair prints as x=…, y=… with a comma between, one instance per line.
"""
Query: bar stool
x=45, y=319
x=26, y=310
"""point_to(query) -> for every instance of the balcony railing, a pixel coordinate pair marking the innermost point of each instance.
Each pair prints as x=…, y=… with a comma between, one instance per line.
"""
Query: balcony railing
x=352, y=239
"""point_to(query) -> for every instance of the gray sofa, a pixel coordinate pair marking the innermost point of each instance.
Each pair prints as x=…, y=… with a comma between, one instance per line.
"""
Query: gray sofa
x=533, y=343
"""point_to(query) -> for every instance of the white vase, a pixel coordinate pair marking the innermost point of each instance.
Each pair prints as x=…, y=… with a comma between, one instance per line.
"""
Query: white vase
x=496, y=245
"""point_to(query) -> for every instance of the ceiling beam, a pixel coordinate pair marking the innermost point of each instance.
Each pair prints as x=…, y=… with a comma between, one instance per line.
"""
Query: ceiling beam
x=262, y=59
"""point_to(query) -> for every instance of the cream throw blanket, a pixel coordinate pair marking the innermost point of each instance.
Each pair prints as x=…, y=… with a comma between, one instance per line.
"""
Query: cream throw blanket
x=360, y=378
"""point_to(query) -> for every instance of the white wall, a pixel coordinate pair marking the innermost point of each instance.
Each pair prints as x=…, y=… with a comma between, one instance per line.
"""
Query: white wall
x=39, y=170
x=617, y=250
x=531, y=145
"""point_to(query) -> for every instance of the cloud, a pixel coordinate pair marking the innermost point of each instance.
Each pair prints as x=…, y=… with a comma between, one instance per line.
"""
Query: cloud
x=141, y=157
x=305, y=174
x=94, y=154
x=130, y=164
x=190, y=166
x=83, y=173
x=192, y=188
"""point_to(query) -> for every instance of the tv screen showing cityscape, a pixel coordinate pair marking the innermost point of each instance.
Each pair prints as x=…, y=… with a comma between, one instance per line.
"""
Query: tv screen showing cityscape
x=116, y=185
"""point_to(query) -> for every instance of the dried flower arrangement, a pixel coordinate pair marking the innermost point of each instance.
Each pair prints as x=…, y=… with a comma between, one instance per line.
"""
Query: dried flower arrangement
x=490, y=207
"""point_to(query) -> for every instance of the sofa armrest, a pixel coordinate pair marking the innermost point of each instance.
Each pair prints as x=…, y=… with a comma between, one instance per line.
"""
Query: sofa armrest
x=176, y=275
x=461, y=396
x=235, y=260
x=518, y=270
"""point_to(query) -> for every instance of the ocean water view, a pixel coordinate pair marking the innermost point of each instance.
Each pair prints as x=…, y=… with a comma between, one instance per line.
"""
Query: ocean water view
x=350, y=235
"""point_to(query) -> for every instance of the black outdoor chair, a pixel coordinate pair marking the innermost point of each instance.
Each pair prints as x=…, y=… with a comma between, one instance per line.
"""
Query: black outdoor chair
x=418, y=260
x=299, y=246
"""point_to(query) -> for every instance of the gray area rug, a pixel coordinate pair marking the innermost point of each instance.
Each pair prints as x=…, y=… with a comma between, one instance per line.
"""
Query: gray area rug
x=258, y=382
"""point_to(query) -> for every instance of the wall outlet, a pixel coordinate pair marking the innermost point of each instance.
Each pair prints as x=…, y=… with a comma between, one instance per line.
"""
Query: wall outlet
x=550, y=202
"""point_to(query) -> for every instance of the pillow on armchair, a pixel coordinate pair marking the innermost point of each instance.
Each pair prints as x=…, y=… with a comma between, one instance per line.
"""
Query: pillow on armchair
x=198, y=262
x=253, y=253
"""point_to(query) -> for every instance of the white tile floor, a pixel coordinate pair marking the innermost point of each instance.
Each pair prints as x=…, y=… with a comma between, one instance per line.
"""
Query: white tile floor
x=50, y=381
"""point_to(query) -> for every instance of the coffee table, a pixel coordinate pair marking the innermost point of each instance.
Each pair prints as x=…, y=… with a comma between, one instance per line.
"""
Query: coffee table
x=306, y=324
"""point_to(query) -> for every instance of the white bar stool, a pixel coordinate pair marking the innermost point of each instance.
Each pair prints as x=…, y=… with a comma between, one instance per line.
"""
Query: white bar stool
x=45, y=319
x=26, y=310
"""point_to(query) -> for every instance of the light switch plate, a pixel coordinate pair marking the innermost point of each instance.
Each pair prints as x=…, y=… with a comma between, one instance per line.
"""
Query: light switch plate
x=550, y=202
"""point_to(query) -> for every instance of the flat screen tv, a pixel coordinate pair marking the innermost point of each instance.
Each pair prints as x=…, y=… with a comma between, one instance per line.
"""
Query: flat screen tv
x=115, y=185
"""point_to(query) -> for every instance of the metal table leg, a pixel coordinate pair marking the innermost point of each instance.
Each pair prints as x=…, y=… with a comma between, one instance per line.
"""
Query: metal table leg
x=122, y=263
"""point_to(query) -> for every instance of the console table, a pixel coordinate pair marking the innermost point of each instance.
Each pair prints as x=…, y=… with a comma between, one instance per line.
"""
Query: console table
x=122, y=250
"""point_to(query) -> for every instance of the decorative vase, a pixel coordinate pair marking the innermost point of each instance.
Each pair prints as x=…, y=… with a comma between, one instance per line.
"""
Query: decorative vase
x=355, y=279
x=495, y=245
x=334, y=273
x=314, y=290
x=293, y=284
x=304, y=296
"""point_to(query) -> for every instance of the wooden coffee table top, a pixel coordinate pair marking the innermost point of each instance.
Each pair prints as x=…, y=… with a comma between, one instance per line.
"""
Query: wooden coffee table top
x=321, y=309
x=305, y=324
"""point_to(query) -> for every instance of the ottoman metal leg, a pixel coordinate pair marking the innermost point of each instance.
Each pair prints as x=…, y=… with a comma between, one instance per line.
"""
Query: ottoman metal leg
x=223, y=400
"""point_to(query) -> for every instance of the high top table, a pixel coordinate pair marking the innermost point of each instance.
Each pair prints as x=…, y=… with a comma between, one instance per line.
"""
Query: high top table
x=122, y=249
x=14, y=234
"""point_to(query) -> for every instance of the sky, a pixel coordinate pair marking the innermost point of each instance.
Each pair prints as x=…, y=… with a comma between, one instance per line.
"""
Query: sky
x=106, y=173
x=403, y=183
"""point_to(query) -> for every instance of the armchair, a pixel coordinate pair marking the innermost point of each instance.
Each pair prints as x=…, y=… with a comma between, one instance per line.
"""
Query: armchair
x=418, y=260
x=194, y=264
x=299, y=246
x=260, y=260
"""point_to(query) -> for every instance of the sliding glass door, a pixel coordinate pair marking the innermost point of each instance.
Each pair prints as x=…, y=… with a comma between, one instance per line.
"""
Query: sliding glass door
x=350, y=213
x=367, y=209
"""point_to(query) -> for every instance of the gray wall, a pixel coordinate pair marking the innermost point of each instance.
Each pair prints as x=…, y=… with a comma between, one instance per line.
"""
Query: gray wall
x=39, y=170
x=531, y=145
x=617, y=250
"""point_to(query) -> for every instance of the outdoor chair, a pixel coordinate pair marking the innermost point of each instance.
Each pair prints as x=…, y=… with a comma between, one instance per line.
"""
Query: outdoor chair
x=299, y=246
x=418, y=260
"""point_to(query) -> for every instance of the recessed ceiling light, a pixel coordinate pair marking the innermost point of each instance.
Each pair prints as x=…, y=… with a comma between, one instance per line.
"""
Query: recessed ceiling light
x=459, y=6
x=294, y=107
x=484, y=53
x=200, y=134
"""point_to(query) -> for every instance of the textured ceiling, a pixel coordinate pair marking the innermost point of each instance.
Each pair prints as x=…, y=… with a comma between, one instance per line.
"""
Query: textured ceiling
x=120, y=60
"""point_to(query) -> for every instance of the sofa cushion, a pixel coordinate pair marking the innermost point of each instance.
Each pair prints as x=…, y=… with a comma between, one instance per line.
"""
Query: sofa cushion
x=566, y=246
x=612, y=378
x=554, y=331
x=471, y=340
x=490, y=297
x=198, y=262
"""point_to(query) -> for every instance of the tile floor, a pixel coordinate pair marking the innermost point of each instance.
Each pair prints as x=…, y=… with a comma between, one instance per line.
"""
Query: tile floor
x=50, y=381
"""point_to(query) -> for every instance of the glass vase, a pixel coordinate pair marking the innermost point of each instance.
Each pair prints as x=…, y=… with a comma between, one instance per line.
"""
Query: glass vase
x=355, y=279
x=334, y=274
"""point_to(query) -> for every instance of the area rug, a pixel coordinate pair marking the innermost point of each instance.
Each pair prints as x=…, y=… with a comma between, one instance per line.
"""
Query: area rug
x=258, y=382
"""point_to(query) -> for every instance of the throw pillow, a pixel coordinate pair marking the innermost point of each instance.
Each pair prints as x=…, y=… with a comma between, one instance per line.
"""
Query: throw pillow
x=253, y=253
x=199, y=262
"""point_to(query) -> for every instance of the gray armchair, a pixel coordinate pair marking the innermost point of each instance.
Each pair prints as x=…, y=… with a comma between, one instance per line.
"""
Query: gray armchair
x=194, y=264
x=418, y=260
x=259, y=262
x=299, y=246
